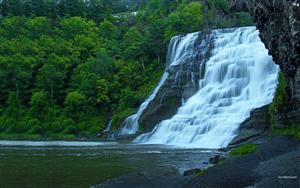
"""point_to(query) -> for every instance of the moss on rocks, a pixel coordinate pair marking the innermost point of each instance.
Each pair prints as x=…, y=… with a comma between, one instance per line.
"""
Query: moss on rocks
x=172, y=100
x=243, y=150
x=279, y=100
x=288, y=131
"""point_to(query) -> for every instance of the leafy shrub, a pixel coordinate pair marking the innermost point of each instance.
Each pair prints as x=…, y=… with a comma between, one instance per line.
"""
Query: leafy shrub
x=69, y=126
x=120, y=116
x=10, y=125
x=95, y=125
x=244, y=19
x=90, y=127
x=129, y=97
x=39, y=104
x=34, y=126
x=2, y=123
x=221, y=4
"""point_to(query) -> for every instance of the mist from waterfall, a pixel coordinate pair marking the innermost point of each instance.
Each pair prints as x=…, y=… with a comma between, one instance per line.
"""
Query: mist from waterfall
x=239, y=76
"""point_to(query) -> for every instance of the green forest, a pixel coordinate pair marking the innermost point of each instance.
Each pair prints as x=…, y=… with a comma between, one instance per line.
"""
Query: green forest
x=67, y=67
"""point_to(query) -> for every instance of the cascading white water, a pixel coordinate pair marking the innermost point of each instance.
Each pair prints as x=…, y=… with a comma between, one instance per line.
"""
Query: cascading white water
x=239, y=77
x=177, y=46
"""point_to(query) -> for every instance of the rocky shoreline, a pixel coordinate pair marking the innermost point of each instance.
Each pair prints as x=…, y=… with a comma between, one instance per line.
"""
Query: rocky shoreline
x=275, y=164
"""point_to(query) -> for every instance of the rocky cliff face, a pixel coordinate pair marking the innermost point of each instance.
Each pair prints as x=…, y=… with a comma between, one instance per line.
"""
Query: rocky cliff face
x=177, y=87
x=256, y=125
x=279, y=24
x=238, y=5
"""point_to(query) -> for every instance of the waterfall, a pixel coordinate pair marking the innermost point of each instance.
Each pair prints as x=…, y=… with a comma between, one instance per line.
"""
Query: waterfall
x=108, y=128
x=239, y=76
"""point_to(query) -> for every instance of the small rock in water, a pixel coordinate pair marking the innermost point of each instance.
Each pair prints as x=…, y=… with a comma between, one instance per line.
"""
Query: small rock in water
x=215, y=159
x=191, y=172
x=99, y=134
x=224, y=149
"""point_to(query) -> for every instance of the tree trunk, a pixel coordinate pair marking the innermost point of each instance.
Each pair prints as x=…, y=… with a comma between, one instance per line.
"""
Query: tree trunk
x=51, y=88
x=158, y=58
x=17, y=92
x=143, y=64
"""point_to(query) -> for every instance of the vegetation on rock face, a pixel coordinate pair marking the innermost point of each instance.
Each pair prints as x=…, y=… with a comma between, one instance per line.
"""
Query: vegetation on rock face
x=288, y=131
x=279, y=103
x=68, y=67
x=280, y=96
x=243, y=150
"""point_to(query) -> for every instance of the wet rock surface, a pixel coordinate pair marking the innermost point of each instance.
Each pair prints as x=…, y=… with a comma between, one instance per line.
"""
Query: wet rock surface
x=191, y=172
x=256, y=125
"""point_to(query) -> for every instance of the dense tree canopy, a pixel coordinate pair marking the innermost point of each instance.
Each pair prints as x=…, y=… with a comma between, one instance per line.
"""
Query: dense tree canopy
x=68, y=67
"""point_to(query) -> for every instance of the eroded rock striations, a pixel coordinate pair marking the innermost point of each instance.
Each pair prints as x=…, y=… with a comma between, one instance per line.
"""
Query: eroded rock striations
x=279, y=24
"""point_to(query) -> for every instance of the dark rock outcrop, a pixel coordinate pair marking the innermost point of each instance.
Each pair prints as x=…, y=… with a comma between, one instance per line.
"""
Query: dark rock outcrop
x=177, y=87
x=279, y=24
x=191, y=172
x=181, y=84
x=256, y=125
x=216, y=159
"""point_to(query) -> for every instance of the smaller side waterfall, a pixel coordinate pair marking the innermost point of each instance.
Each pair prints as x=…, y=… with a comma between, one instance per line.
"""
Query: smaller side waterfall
x=178, y=45
x=130, y=125
x=108, y=128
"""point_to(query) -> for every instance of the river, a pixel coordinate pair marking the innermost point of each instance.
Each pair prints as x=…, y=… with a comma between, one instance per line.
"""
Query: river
x=84, y=164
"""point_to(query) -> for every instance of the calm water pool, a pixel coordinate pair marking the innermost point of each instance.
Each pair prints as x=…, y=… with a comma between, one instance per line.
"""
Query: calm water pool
x=83, y=164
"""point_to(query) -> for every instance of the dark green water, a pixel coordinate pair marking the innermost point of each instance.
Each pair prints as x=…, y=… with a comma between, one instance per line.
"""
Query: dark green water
x=68, y=166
